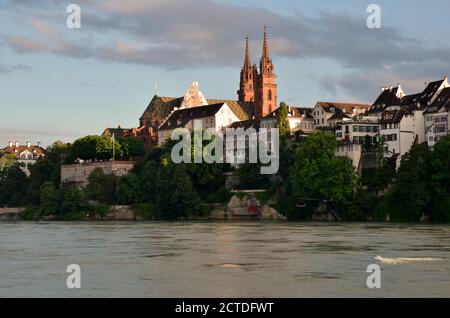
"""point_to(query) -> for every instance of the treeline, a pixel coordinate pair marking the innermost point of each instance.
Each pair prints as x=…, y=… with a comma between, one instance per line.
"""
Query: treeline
x=158, y=188
x=309, y=174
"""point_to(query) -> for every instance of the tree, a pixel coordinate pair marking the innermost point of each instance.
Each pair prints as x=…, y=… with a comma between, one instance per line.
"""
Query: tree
x=13, y=185
x=72, y=199
x=129, y=190
x=44, y=170
x=95, y=147
x=439, y=207
x=319, y=175
x=175, y=195
x=131, y=147
x=410, y=194
x=7, y=160
x=101, y=187
x=249, y=177
x=49, y=199
x=283, y=122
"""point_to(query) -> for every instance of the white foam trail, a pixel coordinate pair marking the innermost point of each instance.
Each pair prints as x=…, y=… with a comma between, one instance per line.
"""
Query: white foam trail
x=406, y=260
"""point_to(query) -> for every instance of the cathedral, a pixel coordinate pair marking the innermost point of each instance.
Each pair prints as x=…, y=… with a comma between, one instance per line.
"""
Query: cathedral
x=257, y=97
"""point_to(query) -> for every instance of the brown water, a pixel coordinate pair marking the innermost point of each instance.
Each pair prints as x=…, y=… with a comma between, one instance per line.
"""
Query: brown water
x=223, y=259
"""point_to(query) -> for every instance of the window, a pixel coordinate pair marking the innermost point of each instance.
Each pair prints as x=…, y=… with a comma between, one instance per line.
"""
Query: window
x=269, y=95
x=323, y=121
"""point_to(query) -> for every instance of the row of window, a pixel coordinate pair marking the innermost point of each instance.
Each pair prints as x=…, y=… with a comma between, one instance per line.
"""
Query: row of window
x=364, y=129
x=391, y=137
x=390, y=126
x=362, y=140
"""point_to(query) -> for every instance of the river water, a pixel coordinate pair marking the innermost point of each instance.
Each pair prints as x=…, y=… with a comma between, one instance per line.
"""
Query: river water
x=223, y=259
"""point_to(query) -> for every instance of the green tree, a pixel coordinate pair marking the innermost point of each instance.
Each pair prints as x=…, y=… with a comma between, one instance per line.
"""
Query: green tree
x=439, y=207
x=95, y=147
x=44, y=170
x=7, y=160
x=282, y=121
x=101, y=187
x=410, y=194
x=129, y=190
x=131, y=147
x=175, y=195
x=49, y=199
x=72, y=199
x=318, y=174
x=13, y=185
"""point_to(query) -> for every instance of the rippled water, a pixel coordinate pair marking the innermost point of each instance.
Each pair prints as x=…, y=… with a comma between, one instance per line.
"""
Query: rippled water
x=223, y=259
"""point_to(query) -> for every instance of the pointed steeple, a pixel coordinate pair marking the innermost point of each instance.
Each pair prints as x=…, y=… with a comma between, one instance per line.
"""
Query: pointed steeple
x=265, y=54
x=265, y=64
x=247, y=54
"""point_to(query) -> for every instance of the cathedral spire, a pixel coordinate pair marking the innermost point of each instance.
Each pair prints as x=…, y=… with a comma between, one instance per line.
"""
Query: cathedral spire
x=265, y=54
x=247, y=53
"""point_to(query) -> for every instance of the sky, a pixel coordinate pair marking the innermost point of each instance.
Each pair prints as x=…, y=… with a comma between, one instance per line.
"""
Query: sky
x=58, y=83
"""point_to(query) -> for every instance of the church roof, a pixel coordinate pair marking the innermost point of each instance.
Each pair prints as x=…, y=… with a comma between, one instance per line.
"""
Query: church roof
x=161, y=107
x=181, y=117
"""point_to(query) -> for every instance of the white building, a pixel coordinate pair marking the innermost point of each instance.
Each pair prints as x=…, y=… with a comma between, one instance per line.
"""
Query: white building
x=25, y=154
x=437, y=119
x=357, y=130
x=216, y=116
x=300, y=118
x=329, y=114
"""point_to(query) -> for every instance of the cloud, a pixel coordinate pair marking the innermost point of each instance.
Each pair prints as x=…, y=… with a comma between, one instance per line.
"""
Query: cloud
x=202, y=33
x=4, y=69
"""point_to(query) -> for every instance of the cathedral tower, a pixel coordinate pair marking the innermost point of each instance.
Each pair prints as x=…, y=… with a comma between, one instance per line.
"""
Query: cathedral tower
x=266, y=90
x=249, y=74
x=259, y=87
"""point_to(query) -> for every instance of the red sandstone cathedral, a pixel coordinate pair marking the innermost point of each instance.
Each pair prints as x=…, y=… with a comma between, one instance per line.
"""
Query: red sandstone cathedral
x=257, y=97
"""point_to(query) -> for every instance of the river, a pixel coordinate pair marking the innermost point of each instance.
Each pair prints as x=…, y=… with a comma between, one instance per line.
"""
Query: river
x=162, y=259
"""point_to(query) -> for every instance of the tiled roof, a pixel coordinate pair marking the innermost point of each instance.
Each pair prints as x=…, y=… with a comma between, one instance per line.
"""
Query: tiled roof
x=330, y=107
x=161, y=107
x=394, y=116
x=339, y=114
x=251, y=123
x=294, y=112
x=388, y=97
x=181, y=117
x=35, y=150
x=118, y=132
x=443, y=100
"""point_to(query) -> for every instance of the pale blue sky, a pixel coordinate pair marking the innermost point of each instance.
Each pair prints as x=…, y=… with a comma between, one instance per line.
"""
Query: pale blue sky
x=57, y=83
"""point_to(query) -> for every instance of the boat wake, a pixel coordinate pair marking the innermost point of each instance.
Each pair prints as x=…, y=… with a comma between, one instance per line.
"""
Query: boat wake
x=406, y=260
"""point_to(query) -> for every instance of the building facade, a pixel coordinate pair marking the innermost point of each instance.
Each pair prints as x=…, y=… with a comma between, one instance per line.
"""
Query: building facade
x=26, y=155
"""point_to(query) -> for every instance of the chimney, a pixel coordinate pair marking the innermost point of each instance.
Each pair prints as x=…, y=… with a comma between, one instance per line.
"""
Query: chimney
x=28, y=144
x=39, y=144
x=10, y=143
x=17, y=144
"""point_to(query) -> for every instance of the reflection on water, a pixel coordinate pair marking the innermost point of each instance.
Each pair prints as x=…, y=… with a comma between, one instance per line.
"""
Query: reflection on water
x=223, y=259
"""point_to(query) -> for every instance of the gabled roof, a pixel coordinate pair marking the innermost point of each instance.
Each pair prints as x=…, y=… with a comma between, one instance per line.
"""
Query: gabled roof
x=430, y=91
x=161, y=107
x=330, y=107
x=35, y=150
x=251, y=123
x=394, y=116
x=388, y=97
x=181, y=117
x=443, y=100
x=338, y=115
x=118, y=132
x=293, y=112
